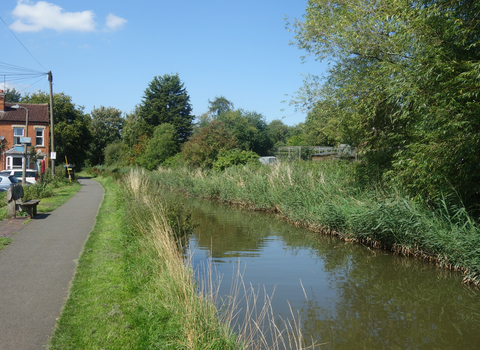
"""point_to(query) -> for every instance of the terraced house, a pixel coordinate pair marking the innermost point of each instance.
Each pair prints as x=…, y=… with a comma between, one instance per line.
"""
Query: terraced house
x=19, y=120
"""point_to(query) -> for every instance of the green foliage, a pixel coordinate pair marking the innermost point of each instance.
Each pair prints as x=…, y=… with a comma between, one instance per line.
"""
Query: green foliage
x=163, y=144
x=174, y=162
x=219, y=106
x=72, y=132
x=57, y=181
x=135, y=127
x=234, y=157
x=116, y=154
x=12, y=95
x=166, y=101
x=105, y=126
x=278, y=133
x=404, y=84
x=203, y=148
x=38, y=190
x=249, y=129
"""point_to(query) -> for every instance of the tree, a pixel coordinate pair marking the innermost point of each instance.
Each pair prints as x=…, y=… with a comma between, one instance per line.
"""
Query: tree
x=203, y=148
x=219, y=105
x=249, y=128
x=106, y=127
x=135, y=127
x=404, y=87
x=12, y=95
x=166, y=101
x=72, y=133
x=163, y=144
x=278, y=132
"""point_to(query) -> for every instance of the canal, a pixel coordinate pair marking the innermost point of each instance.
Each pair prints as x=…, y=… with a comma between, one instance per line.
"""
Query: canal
x=348, y=296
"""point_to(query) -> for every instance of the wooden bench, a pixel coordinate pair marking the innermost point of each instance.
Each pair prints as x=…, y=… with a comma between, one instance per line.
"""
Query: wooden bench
x=15, y=202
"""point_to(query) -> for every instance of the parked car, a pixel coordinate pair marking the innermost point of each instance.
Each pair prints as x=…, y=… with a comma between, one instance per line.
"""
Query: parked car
x=31, y=176
x=6, y=181
x=268, y=160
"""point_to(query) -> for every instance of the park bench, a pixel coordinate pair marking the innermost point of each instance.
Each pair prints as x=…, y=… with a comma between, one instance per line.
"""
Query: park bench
x=15, y=202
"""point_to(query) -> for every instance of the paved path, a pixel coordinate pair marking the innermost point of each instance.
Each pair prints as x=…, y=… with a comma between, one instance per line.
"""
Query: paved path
x=37, y=267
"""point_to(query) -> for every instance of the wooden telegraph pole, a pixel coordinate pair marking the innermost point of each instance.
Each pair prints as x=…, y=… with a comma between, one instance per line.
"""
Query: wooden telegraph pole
x=52, y=147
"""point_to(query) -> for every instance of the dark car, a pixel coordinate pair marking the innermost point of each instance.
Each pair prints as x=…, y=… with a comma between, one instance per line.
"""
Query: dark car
x=6, y=181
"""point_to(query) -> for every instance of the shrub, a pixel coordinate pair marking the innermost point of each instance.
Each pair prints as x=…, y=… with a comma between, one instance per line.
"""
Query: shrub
x=234, y=157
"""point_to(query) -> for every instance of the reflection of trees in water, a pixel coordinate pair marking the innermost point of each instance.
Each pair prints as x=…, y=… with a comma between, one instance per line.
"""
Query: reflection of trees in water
x=381, y=301
x=232, y=232
x=391, y=302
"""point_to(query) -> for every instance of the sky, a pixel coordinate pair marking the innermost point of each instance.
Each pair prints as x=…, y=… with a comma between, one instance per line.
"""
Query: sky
x=105, y=53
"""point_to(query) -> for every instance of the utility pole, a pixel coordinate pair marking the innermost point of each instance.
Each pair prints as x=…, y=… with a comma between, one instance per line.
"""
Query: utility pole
x=52, y=147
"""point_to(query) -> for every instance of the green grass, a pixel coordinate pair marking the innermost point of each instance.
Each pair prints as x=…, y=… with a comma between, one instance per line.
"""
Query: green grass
x=60, y=196
x=4, y=241
x=94, y=316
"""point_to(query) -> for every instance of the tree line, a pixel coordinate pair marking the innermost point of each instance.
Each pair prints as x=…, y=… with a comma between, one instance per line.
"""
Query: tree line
x=161, y=129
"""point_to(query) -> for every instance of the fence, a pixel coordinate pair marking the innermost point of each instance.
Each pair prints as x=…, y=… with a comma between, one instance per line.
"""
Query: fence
x=316, y=152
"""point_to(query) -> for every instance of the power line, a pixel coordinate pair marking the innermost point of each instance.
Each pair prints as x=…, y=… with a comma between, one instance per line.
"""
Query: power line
x=22, y=43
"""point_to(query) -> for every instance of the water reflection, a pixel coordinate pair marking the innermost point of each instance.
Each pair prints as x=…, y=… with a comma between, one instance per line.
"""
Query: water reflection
x=356, y=298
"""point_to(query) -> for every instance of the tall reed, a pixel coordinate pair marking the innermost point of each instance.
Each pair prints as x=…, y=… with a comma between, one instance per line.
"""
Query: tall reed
x=327, y=198
x=205, y=320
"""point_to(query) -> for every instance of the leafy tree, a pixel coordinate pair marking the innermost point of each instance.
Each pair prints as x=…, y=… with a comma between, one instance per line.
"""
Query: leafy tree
x=12, y=95
x=106, y=127
x=135, y=127
x=219, y=106
x=203, y=148
x=278, y=133
x=116, y=154
x=163, y=145
x=72, y=131
x=166, y=101
x=249, y=128
x=404, y=87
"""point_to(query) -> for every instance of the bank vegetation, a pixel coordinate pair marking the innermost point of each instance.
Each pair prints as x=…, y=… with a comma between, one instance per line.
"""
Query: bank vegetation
x=327, y=197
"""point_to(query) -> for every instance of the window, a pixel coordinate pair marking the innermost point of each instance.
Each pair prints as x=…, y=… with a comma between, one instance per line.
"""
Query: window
x=17, y=133
x=39, y=137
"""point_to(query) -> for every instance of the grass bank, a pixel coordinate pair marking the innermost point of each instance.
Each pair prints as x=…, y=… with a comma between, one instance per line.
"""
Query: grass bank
x=131, y=288
x=326, y=198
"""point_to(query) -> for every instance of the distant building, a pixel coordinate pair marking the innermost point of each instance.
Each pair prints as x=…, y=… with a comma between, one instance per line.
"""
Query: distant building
x=12, y=128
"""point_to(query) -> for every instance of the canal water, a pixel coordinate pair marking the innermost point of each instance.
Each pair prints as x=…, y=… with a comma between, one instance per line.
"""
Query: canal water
x=347, y=295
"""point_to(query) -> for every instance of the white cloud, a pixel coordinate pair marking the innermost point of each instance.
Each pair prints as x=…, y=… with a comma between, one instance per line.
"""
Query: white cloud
x=44, y=15
x=115, y=22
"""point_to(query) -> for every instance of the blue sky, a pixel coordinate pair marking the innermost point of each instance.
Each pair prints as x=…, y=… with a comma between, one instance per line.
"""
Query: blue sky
x=104, y=53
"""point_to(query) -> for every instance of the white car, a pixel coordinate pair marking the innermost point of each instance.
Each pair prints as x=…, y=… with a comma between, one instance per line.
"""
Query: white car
x=31, y=176
x=268, y=160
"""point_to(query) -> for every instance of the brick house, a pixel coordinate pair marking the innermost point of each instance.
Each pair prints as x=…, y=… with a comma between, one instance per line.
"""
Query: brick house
x=12, y=127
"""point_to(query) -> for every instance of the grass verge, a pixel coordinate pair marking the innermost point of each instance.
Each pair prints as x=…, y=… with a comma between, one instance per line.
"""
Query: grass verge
x=122, y=297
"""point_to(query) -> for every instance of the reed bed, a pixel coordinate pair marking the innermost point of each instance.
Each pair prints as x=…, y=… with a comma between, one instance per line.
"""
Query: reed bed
x=327, y=198
x=200, y=315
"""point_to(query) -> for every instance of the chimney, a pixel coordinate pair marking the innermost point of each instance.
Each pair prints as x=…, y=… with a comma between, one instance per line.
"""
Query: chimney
x=2, y=101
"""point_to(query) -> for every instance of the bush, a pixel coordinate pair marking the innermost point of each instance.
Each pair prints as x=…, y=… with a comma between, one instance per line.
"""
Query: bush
x=37, y=191
x=234, y=157
x=115, y=154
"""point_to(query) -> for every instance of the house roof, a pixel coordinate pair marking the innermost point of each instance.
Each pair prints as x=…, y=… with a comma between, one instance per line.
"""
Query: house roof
x=37, y=113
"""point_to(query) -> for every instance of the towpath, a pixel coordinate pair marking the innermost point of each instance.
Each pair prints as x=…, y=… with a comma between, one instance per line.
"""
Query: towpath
x=37, y=267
